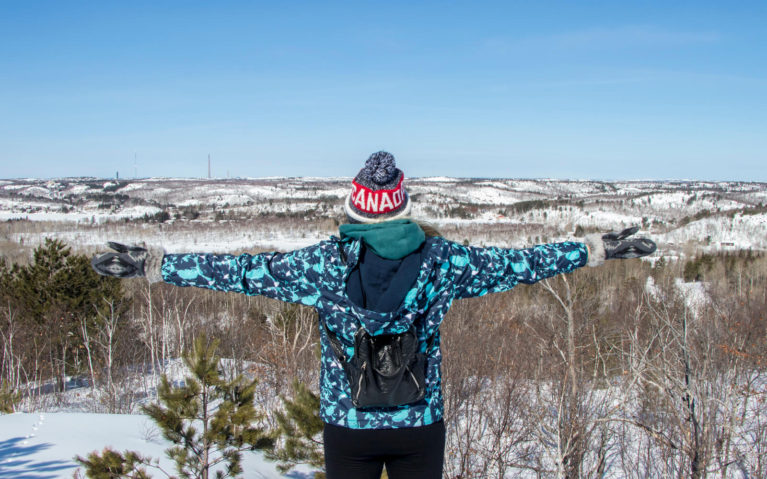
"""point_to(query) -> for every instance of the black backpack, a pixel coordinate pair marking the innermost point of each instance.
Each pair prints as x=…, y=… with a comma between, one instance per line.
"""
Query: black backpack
x=386, y=370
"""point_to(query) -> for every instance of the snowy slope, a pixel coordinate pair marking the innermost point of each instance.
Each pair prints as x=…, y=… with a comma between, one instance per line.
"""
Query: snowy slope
x=42, y=445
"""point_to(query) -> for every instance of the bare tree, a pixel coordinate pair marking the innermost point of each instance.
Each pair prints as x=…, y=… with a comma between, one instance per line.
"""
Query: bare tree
x=12, y=361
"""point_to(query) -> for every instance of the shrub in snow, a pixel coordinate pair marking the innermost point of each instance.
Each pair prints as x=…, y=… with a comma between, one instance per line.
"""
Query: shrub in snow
x=111, y=464
x=8, y=399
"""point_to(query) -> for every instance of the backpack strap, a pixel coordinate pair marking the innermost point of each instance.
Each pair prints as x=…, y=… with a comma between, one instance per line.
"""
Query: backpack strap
x=341, y=251
x=335, y=344
x=430, y=340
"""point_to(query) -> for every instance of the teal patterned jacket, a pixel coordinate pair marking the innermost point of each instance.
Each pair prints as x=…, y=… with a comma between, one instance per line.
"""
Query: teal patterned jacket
x=316, y=276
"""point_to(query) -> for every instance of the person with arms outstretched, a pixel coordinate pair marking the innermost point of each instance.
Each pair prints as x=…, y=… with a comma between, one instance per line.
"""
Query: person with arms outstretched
x=381, y=290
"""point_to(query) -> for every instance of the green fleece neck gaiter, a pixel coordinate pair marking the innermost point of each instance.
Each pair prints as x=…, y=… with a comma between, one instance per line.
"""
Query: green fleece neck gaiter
x=391, y=239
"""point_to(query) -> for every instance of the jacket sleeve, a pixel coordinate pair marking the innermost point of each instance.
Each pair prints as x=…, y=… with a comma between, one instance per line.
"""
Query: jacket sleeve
x=490, y=270
x=295, y=277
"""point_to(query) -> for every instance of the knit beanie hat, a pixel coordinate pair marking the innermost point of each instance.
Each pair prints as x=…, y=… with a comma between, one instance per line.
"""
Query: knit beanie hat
x=377, y=192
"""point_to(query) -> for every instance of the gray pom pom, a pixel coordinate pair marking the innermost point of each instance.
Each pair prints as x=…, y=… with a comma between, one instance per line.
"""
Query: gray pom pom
x=380, y=167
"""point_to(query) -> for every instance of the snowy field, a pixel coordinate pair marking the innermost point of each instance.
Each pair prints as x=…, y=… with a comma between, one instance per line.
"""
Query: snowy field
x=43, y=445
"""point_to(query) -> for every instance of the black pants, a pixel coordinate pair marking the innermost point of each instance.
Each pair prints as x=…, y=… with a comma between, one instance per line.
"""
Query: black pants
x=409, y=453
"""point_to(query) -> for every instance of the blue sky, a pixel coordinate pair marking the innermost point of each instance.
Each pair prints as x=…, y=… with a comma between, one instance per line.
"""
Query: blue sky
x=575, y=89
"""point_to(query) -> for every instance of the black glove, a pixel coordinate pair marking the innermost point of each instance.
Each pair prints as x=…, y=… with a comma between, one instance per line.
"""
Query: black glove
x=619, y=246
x=128, y=262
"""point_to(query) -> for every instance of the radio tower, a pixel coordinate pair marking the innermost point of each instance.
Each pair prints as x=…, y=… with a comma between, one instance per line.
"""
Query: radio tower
x=208, y=165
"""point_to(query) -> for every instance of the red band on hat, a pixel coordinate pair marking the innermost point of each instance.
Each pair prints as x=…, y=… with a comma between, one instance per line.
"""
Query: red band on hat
x=377, y=201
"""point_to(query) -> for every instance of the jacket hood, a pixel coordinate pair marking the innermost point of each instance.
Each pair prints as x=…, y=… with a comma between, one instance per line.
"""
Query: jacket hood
x=380, y=322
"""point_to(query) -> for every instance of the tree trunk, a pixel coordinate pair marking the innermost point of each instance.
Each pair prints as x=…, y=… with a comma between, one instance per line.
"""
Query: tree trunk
x=87, y=343
x=571, y=441
x=205, y=439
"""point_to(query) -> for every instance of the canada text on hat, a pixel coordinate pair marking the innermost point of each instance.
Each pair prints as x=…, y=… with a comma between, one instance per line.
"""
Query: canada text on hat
x=377, y=201
x=378, y=193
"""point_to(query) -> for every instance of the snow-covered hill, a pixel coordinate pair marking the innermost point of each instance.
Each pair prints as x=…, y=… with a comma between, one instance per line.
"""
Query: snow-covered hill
x=284, y=213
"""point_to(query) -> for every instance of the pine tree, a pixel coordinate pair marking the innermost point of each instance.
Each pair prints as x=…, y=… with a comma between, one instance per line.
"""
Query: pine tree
x=300, y=428
x=110, y=464
x=210, y=420
x=223, y=409
x=58, y=293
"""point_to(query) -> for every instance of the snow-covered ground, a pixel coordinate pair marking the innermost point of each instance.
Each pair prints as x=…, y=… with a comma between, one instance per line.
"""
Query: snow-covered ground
x=43, y=445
